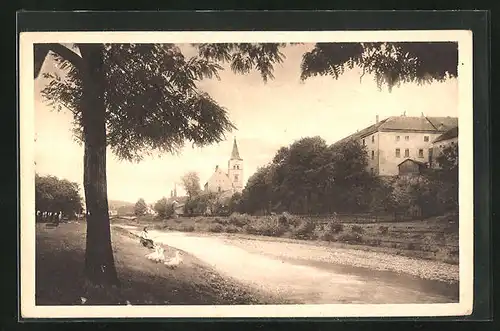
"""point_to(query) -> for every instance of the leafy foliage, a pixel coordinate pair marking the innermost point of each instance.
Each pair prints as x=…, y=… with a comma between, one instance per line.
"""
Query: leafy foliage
x=164, y=208
x=151, y=99
x=309, y=177
x=244, y=57
x=53, y=195
x=140, y=207
x=390, y=63
x=191, y=183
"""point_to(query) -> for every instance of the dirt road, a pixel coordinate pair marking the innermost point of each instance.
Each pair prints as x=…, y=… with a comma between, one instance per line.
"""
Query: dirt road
x=296, y=278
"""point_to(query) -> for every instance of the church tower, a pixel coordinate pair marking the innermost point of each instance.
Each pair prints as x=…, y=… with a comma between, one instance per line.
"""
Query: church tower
x=235, y=168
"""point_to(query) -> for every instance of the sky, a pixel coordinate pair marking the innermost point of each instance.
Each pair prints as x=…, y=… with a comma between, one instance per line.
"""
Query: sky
x=267, y=116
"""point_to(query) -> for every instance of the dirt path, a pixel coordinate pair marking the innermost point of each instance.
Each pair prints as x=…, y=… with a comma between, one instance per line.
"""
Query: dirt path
x=303, y=280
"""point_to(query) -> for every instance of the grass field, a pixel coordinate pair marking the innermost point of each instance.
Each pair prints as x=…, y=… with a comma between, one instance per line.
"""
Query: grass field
x=434, y=239
x=60, y=281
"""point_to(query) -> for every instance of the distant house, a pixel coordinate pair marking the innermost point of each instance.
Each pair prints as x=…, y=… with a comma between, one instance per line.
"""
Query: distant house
x=397, y=138
x=449, y=138
x=410, y=167
x=113, y=212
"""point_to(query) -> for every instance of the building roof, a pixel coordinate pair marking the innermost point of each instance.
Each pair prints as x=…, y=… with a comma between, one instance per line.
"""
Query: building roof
x=235, y=154
x=412, y=160
x=406, y=123
x=450, y=134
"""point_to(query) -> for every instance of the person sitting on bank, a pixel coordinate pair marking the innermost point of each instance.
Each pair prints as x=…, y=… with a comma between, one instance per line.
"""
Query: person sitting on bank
x=145, y=240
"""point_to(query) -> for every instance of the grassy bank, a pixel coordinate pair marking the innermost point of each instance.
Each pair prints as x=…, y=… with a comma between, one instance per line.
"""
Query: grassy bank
x=60, y=281
x=433, y=239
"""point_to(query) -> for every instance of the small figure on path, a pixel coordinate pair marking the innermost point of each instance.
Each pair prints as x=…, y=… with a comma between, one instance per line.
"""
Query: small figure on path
x=145, y=240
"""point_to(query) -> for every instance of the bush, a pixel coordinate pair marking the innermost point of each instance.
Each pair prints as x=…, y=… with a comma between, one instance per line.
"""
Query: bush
x=305, y=230
x=250, y=229
x=412, y=247
x=238, y=219
x=187, y=228
x=215, y=228
x=178, y=220
x=272, y=230
x=383, y=229
x=331, y=230
x=335, y=227
x=357, y=229
x=287, y=219
x=232, y=229
x=221, y=221
x=351, y=238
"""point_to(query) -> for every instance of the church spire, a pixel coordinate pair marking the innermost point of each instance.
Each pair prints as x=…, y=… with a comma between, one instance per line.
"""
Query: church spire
x=235, y=154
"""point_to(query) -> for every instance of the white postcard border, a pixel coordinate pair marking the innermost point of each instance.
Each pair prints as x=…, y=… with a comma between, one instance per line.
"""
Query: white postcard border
x=27, y=175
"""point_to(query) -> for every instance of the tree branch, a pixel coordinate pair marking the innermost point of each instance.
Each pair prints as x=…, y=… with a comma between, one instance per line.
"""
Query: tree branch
x=42, y=51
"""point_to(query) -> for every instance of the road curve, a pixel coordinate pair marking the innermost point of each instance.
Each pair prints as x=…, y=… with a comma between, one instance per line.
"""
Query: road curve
x=303, y=281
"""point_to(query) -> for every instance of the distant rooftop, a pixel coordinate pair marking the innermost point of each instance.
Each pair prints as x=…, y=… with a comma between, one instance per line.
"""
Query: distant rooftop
x=406, y=123
x=450, y=134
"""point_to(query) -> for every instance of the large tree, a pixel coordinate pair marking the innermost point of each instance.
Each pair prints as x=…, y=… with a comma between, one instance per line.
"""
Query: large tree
x=135, y=98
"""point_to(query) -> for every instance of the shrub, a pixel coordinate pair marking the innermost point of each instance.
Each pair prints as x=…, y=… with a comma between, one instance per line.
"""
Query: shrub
x=331, y=230
x=357, y=229
x=383, y=229
x=232, y=229
x=305, y=230
x=272, y=230
x=187, y=228
x=335, y=227
x=221, y=221
x=287, y=219
x=351, y=238
x=412, y=246
x=215, y=228
x=250, y=229
x=238, y=219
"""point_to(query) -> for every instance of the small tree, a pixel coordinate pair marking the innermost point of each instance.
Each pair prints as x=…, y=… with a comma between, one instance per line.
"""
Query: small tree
x=235, y=203
x=140, y=207
x=191, y=183
x=164, y=208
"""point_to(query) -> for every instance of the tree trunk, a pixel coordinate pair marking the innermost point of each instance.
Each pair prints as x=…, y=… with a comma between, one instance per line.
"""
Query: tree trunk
x=99, y=262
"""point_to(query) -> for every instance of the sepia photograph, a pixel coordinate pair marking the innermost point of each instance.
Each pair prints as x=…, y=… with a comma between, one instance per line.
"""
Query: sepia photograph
x=256, y=174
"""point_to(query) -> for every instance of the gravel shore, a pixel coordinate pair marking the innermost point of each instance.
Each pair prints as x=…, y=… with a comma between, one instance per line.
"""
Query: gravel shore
x=425, y=269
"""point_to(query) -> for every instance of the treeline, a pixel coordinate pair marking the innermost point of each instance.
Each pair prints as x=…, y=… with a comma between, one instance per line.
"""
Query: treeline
x=54, y=195
x=313, y=178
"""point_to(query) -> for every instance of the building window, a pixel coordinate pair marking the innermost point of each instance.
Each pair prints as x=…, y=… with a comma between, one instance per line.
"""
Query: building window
x=235, y=177
x=407, y=138
x=371, y=171
x=237, y=166
x=407, y=152
x=398, y=138
x=373, y=139
x=421, y=153
x=363, y=142
x=398, y=152
x=373, y=155
x=234, y=167
x=426, y=138
x=218, y=189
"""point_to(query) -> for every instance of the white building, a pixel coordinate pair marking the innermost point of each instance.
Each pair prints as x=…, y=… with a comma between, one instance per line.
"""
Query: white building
x=230, y=181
